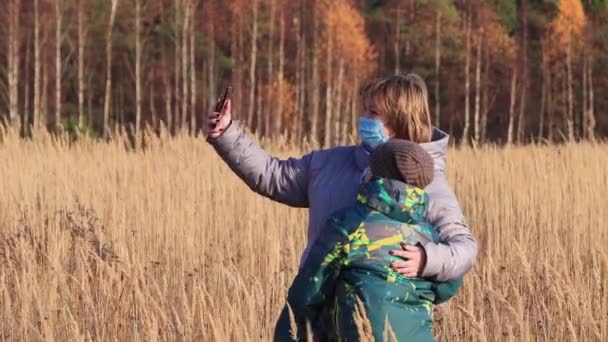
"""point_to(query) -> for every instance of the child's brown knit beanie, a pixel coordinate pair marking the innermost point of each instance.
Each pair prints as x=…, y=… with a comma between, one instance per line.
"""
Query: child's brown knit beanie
x=404, y=161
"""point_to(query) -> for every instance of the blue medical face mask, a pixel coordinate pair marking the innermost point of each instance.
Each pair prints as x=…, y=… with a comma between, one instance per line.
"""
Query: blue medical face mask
x=371, y=132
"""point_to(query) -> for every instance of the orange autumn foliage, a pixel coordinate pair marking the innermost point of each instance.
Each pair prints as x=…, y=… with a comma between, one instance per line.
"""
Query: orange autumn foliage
x=567, y=27
x=496, y=38
x=345, y=26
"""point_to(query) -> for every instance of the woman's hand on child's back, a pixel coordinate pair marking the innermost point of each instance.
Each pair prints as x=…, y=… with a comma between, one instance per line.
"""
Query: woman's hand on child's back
x=414, y=261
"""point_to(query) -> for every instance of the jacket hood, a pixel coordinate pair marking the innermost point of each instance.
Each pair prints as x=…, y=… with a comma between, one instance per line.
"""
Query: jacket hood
x=437, y=148
x=395, y=199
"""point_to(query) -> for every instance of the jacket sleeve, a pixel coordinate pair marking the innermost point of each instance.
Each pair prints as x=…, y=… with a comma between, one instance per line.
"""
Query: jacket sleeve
x=446, y=290
x=313, y=287
x=285, y=181
x=454, y=255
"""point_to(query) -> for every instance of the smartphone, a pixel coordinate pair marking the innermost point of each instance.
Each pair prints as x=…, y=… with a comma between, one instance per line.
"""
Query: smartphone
x=222, y=101
x=219, y=105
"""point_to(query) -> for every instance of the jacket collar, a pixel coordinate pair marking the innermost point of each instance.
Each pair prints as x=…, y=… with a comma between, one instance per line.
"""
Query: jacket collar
x=437, y=148
x=395, y=199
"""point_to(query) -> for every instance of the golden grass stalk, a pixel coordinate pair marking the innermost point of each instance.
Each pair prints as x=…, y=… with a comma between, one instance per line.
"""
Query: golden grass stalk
x=101, y=242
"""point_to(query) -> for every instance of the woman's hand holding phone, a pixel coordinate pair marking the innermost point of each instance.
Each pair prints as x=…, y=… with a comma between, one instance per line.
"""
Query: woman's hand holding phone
x=221, y=117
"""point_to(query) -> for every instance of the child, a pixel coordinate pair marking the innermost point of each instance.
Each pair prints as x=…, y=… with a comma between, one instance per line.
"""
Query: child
x=351, y=262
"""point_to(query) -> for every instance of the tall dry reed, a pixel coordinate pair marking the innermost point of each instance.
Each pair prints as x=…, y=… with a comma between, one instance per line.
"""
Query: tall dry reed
x=99, y=242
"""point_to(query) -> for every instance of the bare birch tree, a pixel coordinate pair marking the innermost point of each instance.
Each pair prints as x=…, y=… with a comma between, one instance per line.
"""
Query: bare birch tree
x=476, y=120
x=185, y=67
x=328, y=90
x=467, y=81
x=270, y=102
x=521, y=122
x=108, y=90
x=590, y=125
x=58, y=71
x=279, y=119
x=512, y=106
x=252, y=65
x=437, y=67
x=192, y=34
x=396, y=43
x=316, y=88
x=138, y=90
x=14, y=11
x=81, y=46
x=36, y=110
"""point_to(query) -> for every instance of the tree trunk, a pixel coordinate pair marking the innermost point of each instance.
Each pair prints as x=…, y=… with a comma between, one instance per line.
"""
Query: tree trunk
x=582, y=120
x=565, y=114
x=298, y=74
x=58, y=73
x=44, y=97
x=397, y=42
x=270, y=99
x=90, y=103
x=10, y=58
x=478, y=86
x=36, y=112
x=485, y=101
x=467, y=82
x=258, y=115
x=345, y=114
x=192, y=62
x=252, y=65
x=120, y=108
x=550, y=114
x=279, y=119
x=328, y=91
x=543, y=100
x=437, y=68
x=211, y=58
x=13, y=60
x=152, y=104
x=81, y=42
x=512, y=106
x=238, y=54
x=570, y=113
x=138, y=49
x=300, y=122
x=408, y=42
x=316, y=87
x=524, y=80
x=591, y=110
x=354, y=113
x=168, y=97
x=338, y=107
x=524, y=89
x=26, y=94
x=185, y=67
x=177, y=124
x=108, y=90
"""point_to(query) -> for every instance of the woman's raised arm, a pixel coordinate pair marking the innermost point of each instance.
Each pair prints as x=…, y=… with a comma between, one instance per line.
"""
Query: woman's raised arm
x=285, y=181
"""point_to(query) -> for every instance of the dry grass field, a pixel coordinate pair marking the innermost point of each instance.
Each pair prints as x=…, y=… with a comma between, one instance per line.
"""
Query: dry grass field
x=100, y=243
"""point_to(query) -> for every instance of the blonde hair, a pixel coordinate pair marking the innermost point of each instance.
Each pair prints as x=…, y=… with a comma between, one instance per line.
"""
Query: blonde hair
x=404, y=99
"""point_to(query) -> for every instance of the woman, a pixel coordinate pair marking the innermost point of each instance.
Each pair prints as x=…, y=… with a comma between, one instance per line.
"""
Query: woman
x=348, y=268
x=327, y=180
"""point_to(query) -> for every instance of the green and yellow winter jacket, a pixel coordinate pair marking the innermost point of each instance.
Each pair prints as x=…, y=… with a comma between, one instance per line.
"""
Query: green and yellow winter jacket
x=350, y=263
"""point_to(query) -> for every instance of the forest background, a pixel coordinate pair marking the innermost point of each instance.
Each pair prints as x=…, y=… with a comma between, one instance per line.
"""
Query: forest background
x=497, y=71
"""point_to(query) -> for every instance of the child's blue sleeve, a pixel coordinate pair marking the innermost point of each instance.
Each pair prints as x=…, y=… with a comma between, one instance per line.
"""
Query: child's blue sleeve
x=313, y=287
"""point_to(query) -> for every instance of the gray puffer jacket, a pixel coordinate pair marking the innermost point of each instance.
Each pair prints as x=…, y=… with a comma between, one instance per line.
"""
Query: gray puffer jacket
x=327, y=180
